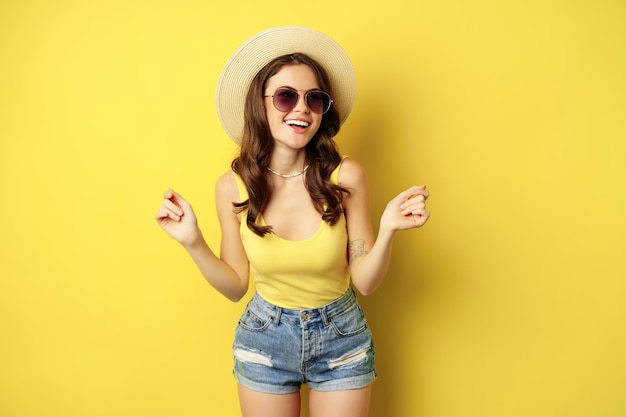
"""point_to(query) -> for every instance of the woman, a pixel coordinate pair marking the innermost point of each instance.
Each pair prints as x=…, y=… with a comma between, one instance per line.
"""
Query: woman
x=295, y=216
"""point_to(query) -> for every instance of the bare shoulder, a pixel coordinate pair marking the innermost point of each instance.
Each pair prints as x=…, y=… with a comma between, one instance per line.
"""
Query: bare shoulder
x=352, y=175
x=226, y=187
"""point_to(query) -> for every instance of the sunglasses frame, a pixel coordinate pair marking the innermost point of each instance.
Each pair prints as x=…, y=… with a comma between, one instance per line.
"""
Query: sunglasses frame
x=306, y=95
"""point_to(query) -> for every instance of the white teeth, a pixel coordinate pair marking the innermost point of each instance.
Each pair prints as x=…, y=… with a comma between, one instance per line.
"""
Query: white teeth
x=297, y=123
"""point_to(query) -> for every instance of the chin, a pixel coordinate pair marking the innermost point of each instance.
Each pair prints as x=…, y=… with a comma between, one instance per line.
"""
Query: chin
x=296, y=143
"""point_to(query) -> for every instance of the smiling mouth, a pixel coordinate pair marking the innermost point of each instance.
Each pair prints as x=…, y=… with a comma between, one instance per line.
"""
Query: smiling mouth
x=299, y=123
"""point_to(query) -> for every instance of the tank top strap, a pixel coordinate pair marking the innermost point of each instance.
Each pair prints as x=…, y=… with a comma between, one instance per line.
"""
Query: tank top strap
x=334, y=176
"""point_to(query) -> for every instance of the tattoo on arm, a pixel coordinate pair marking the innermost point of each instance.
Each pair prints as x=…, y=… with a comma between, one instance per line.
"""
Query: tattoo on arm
x=356, y=249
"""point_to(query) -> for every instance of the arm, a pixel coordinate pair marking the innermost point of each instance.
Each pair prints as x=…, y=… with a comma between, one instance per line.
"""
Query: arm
x=369, y=258
x=228, y=274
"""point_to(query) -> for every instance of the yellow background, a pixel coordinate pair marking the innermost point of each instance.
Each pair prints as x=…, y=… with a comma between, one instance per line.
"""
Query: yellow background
x=510, y=302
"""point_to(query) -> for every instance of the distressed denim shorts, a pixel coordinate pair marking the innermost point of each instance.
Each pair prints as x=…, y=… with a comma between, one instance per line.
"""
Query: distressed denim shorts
x=328, y=348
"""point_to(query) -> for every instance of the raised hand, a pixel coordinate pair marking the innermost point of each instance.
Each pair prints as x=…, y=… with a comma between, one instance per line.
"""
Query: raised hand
x=177, y=218
x=407, y=210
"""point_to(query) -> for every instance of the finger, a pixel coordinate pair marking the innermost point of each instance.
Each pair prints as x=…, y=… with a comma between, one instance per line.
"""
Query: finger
x=416, y=198
x=412, y=202
x=421, y=212
x=420, y=218
x=173, y=206
x=178, y=200
x=425, y=216
x=172, y=196
x=414, y=209
x=418, y=191
x=165, y=213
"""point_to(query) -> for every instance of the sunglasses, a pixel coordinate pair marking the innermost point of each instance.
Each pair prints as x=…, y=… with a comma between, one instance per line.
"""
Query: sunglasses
x=286, y=98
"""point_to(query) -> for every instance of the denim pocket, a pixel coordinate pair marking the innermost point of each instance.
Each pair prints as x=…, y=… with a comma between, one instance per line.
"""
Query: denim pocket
x=252, y=321
x=349, y=323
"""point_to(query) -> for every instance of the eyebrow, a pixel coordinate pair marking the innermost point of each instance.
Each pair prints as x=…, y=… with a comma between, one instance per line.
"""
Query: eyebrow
x=295, y=89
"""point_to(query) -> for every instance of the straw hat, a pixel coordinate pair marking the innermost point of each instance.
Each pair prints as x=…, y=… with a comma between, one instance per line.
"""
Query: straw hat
x=262, y=48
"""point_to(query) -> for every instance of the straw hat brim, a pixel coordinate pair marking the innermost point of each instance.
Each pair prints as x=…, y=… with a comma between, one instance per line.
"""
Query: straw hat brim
x=262, y=48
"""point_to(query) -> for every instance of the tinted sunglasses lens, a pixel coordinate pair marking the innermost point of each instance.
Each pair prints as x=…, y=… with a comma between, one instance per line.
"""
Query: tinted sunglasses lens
x=318, y=101
x=285, y=100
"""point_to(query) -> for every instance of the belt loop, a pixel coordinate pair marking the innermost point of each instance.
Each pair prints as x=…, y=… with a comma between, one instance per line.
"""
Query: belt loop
x=324, y=316
x=279, y=312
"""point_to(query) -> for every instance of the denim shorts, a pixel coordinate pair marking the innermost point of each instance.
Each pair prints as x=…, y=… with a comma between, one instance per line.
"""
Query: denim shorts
x=328, y=348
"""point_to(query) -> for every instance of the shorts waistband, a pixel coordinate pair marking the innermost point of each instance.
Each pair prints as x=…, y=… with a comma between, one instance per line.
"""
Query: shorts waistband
x=322, y=313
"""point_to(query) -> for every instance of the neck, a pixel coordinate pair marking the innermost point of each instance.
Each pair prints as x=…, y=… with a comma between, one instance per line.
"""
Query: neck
x=286, y=162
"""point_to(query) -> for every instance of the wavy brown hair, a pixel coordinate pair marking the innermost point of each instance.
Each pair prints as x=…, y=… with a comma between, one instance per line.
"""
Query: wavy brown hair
x=257, y=145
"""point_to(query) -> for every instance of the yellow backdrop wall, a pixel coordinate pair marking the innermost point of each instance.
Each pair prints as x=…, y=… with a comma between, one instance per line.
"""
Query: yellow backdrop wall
x=508, y=303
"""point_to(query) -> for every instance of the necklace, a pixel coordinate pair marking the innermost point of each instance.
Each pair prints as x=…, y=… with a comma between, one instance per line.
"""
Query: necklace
x=288, y=175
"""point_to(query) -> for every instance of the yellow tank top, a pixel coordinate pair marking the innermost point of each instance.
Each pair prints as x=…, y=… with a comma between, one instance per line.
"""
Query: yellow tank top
x=298, y=274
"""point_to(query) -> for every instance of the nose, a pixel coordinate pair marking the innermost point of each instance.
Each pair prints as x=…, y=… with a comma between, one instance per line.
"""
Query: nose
x=301, y=105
